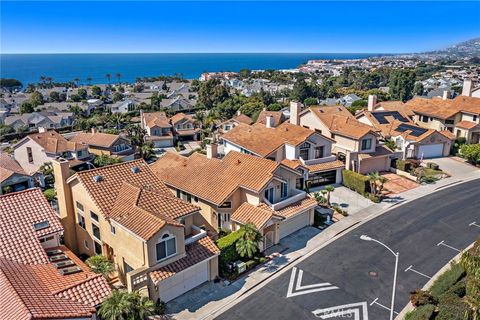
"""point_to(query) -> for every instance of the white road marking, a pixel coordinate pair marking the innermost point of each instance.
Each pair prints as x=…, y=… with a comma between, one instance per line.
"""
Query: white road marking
x=345, y=310
x=474, y=223
x=442, y=243
x=417, y=272
x=381, y=305
x=325, y=286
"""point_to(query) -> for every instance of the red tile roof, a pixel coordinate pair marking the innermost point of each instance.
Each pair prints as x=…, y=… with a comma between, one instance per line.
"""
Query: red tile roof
x=249, y=213
x=466, y=124
x=98, y=139
x=9, y=167
x=53, y=142
x=196, y=252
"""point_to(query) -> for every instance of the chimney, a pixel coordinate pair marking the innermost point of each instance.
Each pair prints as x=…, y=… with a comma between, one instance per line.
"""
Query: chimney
x=142, y=125
x=295, y=109
x=94, y=130
x=269, y=122
x=372, y=102
x=42, y=129
x=446, y=94
x=61, y=172
x=239, y=112
x=212, y=151
x=467, y=88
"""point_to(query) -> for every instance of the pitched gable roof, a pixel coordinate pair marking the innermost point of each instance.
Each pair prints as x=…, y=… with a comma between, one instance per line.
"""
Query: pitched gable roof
x=278, y=117
x=98, y=139
x=444, y=109
x=53, y=142
x=158, y=119
x=9, y=167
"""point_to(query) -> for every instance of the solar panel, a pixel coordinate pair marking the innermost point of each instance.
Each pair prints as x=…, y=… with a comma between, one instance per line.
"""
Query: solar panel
x=380, y=116
x=416, y=131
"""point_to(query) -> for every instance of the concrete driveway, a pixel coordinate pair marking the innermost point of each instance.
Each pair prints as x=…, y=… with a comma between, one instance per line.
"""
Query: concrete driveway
x=455, y=166
x=346, y=199
x=397, y=184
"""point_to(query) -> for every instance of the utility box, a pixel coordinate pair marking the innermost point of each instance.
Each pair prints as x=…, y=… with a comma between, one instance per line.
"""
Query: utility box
x=240, y=266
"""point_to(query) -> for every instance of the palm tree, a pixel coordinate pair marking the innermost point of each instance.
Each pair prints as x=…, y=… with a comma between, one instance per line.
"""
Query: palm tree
x=372, y=179
x=109, y=77
x=119, y=76
x=247, y=244
x=89, y=80
x=329, y=189
x=42, y=80
x=116, y=307
x=50, y=81
x=100, y=264
x=143, y=307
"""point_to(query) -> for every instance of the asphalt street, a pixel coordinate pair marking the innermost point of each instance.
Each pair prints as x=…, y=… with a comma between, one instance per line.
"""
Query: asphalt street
x=351, y=278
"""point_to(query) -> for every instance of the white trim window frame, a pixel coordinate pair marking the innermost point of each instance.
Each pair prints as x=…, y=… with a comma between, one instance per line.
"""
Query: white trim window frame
x=169, y=243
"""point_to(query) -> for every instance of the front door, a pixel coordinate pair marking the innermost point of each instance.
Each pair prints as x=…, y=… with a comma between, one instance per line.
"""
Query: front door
x=223, y=220
x=268, y=239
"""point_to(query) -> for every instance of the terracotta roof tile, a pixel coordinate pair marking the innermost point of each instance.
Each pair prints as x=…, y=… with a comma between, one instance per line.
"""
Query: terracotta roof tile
x=444, y=109
x=196, y=252
x=325, y=166
x=98, y=139
x=249, y=213
x=235, y=170
x=466, y=124
x=158, y=119
x=53, y=142
x=294, y=208
x=278, y=117
x=9, y=167
x=243, y=118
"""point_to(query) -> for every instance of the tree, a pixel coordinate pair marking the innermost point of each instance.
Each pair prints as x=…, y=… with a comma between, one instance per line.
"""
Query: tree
x=137, y=136
x=247, y=244
x=117, y=96
x=96, y=92
x=76, y=81
x=36, y=99
x=212, y=93
x=377, y=182
x=147, y=150
x=105, y=160
x=418, y=89
x=119, y=76
x=122, y=305
x=54, y=96
x=26, y=107
x=329, y=190
x=82, y=93
x=401, y=83
x=109, y=77
x=391, y=144
x=100, y=264
x=310, y=101
x=274, y=107
x=89, y=80
x=471, y=152
x=300, y=91
x=6, y=129
x=50, y=194
x=10, y=84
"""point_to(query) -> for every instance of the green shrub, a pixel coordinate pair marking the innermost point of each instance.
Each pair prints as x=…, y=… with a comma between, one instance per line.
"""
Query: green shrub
x=356, y=181
x=250, y=264
x=419, y=298
x=262, y=260
x=318, y=219
x=228, y=249
x=432, y=165
x=451, y=307
x=50, y=194
x=424, y=312
x=374, y=198
x=446, y=280
x=404, y=165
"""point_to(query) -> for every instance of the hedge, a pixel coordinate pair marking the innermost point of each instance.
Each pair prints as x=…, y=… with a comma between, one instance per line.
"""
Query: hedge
x=356, y=181
x=421, y=313
x=404, y=165
x=447, y=280
x=228, y=251
x=452, y=307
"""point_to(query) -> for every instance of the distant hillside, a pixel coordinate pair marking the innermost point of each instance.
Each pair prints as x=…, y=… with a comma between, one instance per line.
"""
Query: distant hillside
x=470, y=48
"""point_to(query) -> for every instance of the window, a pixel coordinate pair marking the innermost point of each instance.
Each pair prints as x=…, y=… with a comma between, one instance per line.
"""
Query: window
x=284, y=190
x=113, y=230
x=166, y=247
x=126, y=267
x=474, y=118
x=226, y=204
x=178, y=193
x=81, y=220
x=97, y=247
x=269, y=194
x=366, y=144
x=304, y=150
x=195, y=198
x=41, y=225
x=96, y=231
x=30, y=155
x=449, y=121
x=79, y=206
x=85, y=243
x=42, y=240
x=79, y=153
x=94, y=216
x=424, y=118
x=319, y=152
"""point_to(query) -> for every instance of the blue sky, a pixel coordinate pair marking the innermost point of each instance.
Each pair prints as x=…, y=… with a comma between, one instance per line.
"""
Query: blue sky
x=333, y=27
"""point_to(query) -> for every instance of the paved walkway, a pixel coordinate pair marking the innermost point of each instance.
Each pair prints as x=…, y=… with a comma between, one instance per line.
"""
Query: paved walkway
x=398, y=184
x=210, y=299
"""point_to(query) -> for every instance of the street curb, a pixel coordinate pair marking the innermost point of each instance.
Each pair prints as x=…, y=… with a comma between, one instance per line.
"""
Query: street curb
x=336, y=236
x=409, y=307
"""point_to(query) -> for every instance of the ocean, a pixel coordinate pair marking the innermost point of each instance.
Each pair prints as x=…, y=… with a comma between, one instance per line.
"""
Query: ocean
x=28, y=68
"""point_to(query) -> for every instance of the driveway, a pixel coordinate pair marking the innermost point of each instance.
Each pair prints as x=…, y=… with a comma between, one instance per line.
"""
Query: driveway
x=347, y=199
x=455, y=166
x=398, y=184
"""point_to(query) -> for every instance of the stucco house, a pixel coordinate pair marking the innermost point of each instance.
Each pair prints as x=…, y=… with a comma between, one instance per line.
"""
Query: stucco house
x=39, y=148
x=412, y=140
x=184, y=127
x=301, y=149
x=238, y=189
x=356, y=142
x=100, y=143
x=228, y=125
x=159, y=128
x=12, y=175
x=39, y=277
x=127, y=214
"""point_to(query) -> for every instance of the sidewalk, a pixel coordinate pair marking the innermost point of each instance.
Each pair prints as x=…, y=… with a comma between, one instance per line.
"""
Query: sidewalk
x=209, y=300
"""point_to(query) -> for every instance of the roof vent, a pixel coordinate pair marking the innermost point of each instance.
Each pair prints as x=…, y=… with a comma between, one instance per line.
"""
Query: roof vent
x=135, y=169
x=41, y=225
x=97, y=178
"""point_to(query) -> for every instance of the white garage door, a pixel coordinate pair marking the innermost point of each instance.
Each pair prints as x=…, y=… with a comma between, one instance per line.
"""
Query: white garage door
x=293, y=224
x=184, y=281
x=163, y=143
x=431, y=150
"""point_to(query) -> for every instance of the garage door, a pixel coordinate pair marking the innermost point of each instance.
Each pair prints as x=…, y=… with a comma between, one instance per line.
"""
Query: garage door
x=430, y=150
x=293, y=224
x=184, y=281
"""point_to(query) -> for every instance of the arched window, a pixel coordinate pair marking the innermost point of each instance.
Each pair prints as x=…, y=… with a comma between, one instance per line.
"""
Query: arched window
x=166, y=246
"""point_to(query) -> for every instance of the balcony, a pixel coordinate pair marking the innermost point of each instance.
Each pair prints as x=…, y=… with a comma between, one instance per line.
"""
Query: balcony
x=196, y=235
x=295, y=196
x=318, y=160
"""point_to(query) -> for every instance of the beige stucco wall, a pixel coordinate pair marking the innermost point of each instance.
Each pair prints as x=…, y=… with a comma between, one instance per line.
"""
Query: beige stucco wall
x=374, y=164
x=179, y=241
x=309, y=120
x=39, y=156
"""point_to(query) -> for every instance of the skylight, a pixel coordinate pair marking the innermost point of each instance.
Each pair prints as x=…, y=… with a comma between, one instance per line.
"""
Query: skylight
x=41, y=225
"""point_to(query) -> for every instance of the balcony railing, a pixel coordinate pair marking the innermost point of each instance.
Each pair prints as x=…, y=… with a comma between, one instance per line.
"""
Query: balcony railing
x=199, y=234
x=295, y=196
